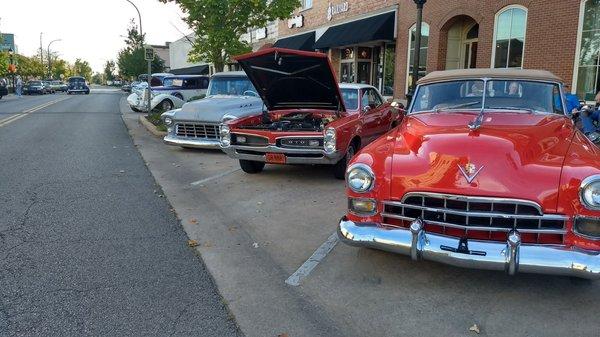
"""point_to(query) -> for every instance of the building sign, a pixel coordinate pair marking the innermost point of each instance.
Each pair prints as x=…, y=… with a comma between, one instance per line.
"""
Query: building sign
x=261, y=33
x=333, y=10
x=296, y=21
x=7, y=41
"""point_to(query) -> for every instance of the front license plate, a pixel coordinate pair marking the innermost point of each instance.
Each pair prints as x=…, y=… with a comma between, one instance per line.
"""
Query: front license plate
x=275, y=158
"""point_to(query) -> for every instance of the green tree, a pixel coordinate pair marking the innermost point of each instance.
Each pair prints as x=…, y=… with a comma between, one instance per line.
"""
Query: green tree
x=82, y=68
x=109, y=70
x=219, y=24
x=29, y=67
x=131, y=60
x=60, y=68
x=97, y=78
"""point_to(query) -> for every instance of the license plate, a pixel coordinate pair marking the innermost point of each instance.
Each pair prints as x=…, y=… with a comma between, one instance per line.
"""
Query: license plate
x=275, y=158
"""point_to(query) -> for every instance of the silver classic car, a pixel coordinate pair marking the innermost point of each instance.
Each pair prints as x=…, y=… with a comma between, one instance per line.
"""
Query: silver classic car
x=196, y=124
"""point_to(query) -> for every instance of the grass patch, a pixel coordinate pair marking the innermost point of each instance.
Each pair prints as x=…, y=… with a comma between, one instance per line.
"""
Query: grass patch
x=155, y=119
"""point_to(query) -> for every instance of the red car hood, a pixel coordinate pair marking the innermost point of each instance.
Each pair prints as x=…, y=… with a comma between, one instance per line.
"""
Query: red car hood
x=513, y=155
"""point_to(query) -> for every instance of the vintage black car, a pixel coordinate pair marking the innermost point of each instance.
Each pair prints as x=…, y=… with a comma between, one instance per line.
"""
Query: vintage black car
x=3, y=89
x=77, y=84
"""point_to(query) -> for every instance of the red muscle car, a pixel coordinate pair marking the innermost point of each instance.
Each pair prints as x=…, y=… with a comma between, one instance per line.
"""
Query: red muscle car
x=487, y=171
x=308, y=118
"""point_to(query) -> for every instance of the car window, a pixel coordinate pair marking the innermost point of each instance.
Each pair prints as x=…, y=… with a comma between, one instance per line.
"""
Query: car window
x=190, y=83
x=230, y=85
x=350, y=98
x=204, y=83
x=371, y=98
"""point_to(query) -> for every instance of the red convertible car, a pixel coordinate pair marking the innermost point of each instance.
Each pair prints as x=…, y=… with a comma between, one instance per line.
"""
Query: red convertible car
x=308, y=118
x=486, y=170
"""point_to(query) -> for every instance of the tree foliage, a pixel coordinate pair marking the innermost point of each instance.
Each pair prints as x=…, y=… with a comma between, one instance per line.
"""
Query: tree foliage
x=82, y=68
x=131, y=60
x=109, y=70
x=219, y=24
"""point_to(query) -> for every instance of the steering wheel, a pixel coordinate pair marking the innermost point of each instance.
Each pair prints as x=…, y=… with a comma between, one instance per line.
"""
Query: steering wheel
x=250, y=93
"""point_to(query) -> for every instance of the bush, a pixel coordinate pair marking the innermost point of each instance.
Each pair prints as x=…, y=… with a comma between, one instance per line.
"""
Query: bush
x=155, y=119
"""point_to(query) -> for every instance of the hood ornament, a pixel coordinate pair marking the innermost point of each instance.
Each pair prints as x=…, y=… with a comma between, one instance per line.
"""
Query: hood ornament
x=470, y=171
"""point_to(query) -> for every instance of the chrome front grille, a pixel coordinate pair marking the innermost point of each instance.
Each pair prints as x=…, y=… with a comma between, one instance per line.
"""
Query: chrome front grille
x=483, y=218
x=196, y=130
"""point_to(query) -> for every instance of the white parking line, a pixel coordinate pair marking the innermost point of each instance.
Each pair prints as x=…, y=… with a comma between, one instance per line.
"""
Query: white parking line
x=220, y=175
x=20, y=115
x=313, y=261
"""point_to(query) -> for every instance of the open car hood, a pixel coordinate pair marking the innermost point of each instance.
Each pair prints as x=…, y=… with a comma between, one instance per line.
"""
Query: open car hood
x=292, y=79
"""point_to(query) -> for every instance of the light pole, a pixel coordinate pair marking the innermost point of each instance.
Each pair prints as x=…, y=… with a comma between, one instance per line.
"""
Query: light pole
x=139, y=16
x=49, y=58
x=417, y=52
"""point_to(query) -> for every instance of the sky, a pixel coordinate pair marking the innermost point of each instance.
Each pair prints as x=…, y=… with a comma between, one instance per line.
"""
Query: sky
x=90, y=29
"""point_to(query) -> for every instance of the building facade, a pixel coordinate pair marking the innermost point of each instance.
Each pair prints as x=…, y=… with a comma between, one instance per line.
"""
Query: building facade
x=562, y=36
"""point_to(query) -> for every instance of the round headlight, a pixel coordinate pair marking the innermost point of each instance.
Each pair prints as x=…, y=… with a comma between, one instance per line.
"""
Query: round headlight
x=360, y=178
x=168, y=121
x=589, y=192
x=225, y=136
x=329, y=140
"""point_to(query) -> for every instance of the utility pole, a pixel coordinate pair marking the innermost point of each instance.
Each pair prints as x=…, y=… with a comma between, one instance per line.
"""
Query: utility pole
x=41, y=50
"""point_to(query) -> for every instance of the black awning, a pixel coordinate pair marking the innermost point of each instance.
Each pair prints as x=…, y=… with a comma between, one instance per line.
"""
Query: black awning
x=375, y=28
x=304, y=42
x=195, y=70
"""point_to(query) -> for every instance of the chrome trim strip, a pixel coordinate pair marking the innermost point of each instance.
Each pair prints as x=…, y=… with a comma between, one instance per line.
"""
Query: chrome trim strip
x=479, y=214
x=475, y=228
x=528, y=258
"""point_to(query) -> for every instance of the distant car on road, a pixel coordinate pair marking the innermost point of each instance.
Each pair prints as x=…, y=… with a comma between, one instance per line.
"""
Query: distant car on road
x=3, y=89
x=126, y=87
x=47, y=87
x=77, y=84
x=58, y=86
x=34, y=87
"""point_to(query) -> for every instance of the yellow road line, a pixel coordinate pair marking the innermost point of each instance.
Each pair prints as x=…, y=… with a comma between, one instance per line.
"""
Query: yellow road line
x=20, y=115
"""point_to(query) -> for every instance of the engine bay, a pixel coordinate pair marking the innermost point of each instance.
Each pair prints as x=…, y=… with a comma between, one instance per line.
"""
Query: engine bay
x=301, y=121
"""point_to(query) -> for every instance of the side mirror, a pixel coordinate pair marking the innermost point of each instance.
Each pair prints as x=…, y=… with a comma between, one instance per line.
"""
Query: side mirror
x=397, y=105
x=366, y=109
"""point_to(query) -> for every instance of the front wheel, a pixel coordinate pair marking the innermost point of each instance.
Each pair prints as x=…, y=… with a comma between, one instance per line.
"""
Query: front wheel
x=339, y=169
x=251, y=167
x=166, y=105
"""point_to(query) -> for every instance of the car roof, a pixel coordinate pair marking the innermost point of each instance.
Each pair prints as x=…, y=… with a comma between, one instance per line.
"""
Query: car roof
x=231, y=73
x=355, y=86
x=186, y=76
x=504, y=73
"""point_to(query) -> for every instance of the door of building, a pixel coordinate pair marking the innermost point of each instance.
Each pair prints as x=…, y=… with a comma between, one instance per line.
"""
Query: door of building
x=463, y=39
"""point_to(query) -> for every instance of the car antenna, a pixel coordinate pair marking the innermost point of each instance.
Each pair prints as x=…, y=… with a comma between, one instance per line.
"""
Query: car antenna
x=476, y=124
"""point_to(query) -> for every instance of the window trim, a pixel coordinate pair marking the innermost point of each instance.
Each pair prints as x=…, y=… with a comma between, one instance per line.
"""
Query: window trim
x=408, y=55
x=578, y=48
x=500, y=12
x=302, y=3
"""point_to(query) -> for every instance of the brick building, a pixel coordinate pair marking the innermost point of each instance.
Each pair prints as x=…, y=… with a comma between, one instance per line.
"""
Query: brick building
x=372, y=41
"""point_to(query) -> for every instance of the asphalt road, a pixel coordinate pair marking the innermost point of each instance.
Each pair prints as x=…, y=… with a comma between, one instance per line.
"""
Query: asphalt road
x=88, y=243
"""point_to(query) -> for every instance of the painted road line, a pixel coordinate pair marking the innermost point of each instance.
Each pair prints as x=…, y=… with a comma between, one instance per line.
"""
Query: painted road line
x=310, y=264
x=20, y=115
x=220, y=175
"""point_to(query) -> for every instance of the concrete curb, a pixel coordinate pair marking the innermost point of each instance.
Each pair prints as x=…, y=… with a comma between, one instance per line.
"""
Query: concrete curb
x=151, y=127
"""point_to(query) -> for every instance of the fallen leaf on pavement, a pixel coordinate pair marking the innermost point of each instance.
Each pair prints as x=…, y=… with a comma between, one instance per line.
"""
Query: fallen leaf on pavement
x=122, y=171
x=255, y=245
x=192, y=243
x=194, y=220
x=283, y=335
x=475, y=329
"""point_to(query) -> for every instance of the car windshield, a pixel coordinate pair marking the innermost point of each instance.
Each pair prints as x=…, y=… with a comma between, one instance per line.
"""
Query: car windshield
x=35, y=83
x=228, y=85
x=509, y=95
x=76, y=80
x=350, y=97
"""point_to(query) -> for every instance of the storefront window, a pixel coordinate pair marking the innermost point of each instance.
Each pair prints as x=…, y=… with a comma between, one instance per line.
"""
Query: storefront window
x=422, y=53
x=306, y=4
x=588, y=79
x=389, y=70
x=510, y=28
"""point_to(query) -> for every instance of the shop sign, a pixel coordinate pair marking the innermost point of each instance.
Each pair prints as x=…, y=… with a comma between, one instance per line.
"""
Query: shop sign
x=297, y=21
x=333, y=10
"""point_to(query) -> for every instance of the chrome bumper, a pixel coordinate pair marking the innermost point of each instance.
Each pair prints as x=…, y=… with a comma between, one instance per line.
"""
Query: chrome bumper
x=191, y=142
x=327, y=159
x=512, y=256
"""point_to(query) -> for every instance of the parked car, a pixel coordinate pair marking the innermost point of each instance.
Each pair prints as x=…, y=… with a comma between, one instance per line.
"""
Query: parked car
x=183, y=87
x=486, y=171
x=3, y=87
x=48, y=87
x=34, y=87
x=126, y=87
x=309, y=118
x=230, y=95
x=58, y=86
x=77, y=84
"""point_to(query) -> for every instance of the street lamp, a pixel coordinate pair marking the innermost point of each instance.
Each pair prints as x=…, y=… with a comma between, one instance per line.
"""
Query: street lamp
x=417, y=52
x=139, y=15
x=49, y=58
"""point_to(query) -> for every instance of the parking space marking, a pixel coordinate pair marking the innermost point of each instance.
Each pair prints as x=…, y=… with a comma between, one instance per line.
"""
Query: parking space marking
x=310, y=264
x=20, y=115
x=220, y=175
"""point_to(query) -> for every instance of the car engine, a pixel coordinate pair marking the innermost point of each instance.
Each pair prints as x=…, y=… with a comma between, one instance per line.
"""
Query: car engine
x=295, y=122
